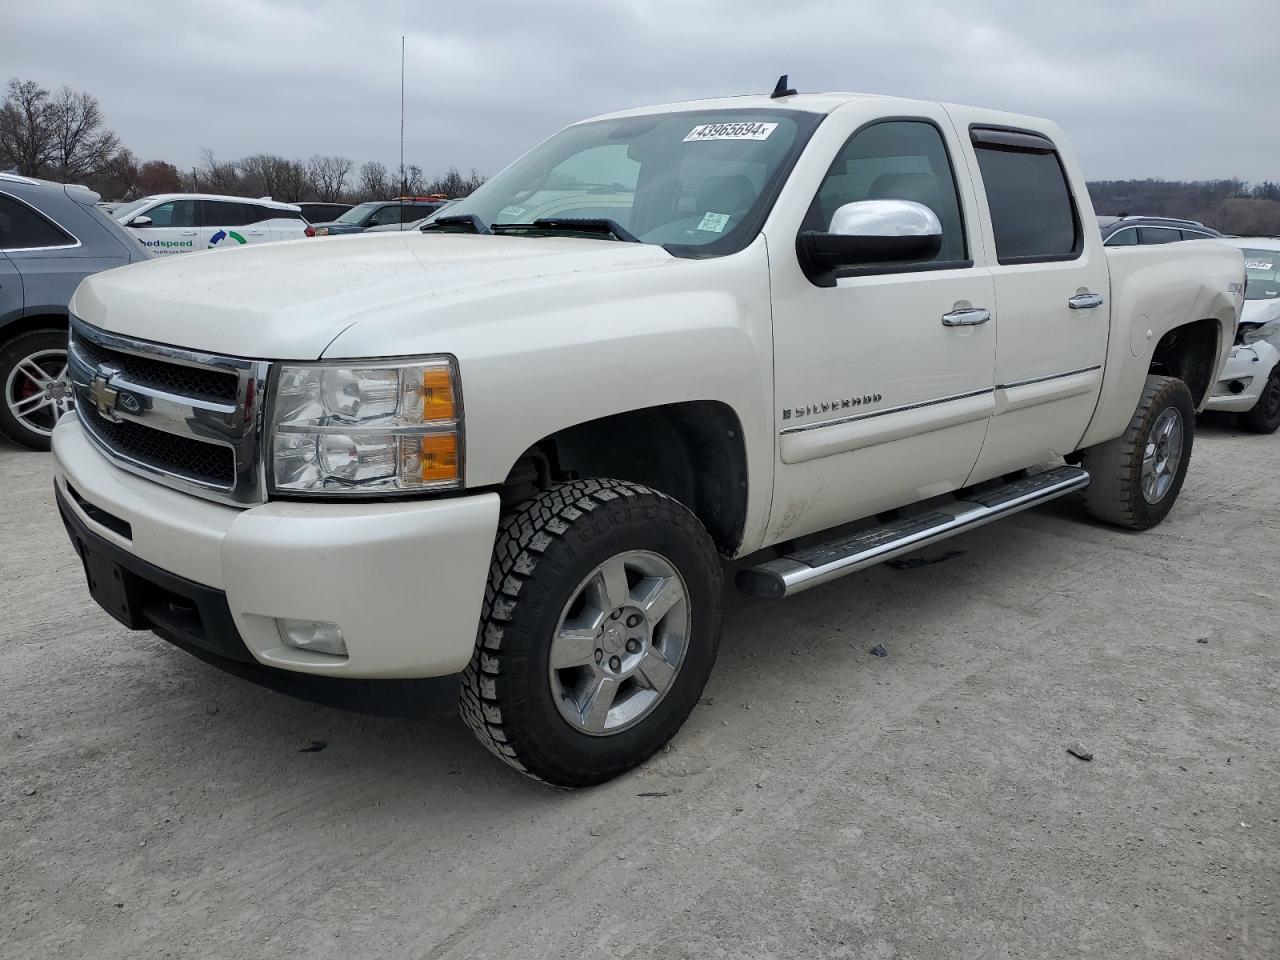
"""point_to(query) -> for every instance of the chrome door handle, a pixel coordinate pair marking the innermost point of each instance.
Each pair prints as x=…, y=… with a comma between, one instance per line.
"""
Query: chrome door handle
x=188, y=233
x=968, y=317
x=1085, y=301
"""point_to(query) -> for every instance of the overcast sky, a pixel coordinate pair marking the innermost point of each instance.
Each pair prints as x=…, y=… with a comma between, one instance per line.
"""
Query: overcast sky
x=1162, y=88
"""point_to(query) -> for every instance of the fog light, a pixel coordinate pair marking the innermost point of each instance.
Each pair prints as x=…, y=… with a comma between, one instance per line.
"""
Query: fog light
x=319, y=636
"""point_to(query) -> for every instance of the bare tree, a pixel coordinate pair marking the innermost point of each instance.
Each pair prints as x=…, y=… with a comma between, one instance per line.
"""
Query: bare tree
x=82, y=146
x=26, y=138
x=375, y=182
x=328, y=176
x=217, y=177
x=454, y=184
x=411, y=184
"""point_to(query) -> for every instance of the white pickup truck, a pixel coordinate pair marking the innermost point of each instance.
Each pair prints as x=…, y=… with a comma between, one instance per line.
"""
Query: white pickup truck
x=806, y=332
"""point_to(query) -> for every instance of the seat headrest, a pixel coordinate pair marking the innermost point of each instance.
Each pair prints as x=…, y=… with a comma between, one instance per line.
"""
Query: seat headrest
x=728, y=194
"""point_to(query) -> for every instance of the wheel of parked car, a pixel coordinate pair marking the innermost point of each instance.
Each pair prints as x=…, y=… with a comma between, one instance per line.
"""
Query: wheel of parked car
x=1136, y=477
x=599, y=628
x=1265, y=415
x=33, y=373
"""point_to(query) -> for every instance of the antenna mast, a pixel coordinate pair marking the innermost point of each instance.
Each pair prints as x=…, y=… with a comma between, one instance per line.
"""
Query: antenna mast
x=403, y=185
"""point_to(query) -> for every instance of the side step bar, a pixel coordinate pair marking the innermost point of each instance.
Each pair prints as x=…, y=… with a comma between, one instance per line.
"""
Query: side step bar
x=790, y=574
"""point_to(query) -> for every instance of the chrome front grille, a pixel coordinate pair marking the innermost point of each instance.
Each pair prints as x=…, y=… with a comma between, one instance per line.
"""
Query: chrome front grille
x=189, y=420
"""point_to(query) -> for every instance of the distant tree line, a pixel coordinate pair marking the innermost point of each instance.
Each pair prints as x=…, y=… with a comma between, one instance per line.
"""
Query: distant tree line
x=63, y=136
x=1232, y=206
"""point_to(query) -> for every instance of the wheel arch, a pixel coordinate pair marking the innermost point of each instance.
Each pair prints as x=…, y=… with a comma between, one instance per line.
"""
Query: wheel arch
x=30, y=323
x=1190, y=352
x=693, y=451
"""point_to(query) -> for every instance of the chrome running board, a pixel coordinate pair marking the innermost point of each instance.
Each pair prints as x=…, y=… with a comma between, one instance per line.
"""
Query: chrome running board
x=818, y=564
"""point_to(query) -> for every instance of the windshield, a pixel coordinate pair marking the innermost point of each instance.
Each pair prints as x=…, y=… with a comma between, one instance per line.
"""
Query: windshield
x=1261, y=267
x=124, y=212
x=359, y=212
x=699, y=184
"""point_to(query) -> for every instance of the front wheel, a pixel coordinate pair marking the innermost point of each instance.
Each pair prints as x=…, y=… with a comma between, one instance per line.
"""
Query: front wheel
x=36, y=392
x=599, y=629
x=1265, y=415
x=1137, y=476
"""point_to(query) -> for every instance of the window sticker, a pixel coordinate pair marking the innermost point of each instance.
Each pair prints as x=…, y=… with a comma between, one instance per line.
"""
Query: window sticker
x=731, y=131
x=1258, y=265
x=714, y=222
x=512, y=211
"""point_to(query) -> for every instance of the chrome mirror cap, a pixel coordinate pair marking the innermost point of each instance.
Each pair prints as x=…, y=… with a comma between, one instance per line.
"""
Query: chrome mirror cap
x=885, y=218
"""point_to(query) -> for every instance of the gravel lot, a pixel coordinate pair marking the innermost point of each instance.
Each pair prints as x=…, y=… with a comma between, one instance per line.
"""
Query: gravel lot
x=821, y=802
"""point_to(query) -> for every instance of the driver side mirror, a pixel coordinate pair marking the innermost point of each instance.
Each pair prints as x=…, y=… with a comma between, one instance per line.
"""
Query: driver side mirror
x=873, y=231
x=140, y=222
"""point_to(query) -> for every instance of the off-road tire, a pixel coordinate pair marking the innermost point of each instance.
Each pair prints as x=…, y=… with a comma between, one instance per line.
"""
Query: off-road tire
x=1265, y=415
x=23, y=345
x=544, y=548
x=1114, y=493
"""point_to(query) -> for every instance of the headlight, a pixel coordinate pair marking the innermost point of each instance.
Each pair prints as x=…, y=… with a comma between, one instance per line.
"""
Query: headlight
x=1263, y=331
x=366, y=428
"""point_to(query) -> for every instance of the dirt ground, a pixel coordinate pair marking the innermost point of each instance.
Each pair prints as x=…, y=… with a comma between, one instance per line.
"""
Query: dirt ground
x=821, y=802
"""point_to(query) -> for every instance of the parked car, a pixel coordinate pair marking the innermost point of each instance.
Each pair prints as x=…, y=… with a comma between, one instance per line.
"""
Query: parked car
x=1249, y=384
x=378, y=213
x=517, y=449
x=1138, y=231
x=415, y=225
x=185, y=222
x=51, y=237
x=320, y=212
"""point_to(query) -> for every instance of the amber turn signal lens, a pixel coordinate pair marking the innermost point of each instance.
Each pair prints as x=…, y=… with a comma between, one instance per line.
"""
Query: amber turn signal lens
x=437, y=395
x=439, y=457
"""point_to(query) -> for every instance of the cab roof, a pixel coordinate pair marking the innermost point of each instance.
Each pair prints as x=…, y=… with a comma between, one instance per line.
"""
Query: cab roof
x=818, y=103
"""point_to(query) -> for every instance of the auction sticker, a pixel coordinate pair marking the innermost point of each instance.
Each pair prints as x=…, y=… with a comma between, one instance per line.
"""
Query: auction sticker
x=731, y=131
x=512, y=211
x=714, y=222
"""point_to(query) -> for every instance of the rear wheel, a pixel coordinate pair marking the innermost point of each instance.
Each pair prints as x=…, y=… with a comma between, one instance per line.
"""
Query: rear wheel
x=1265, y=415
x=598, y=632
x=36, y=392
x=1137, y=476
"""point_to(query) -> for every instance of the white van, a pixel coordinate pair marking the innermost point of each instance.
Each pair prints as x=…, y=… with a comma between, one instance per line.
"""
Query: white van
x=184, y=222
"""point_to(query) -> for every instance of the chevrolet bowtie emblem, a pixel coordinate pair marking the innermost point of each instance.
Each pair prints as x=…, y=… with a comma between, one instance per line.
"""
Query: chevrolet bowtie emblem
x=103, y=395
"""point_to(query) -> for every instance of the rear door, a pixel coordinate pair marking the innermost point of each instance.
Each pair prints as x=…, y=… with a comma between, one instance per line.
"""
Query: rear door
x=1051, y=289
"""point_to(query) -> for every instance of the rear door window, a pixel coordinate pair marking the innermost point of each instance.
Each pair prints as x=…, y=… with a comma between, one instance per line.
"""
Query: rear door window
x=22, y=228
x=226, y=213
x=1033, y=212
x=1150, y=235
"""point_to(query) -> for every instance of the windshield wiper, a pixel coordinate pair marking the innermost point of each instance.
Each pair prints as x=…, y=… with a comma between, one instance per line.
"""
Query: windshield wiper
x=464, y=220
x=586, y=226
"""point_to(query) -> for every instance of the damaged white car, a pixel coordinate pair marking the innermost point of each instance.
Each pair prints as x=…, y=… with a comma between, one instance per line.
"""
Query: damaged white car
x=1249, y=383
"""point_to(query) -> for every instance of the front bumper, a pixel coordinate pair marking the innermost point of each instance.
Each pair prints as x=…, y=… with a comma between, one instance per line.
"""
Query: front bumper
x=1243, y=377
x=403, y=580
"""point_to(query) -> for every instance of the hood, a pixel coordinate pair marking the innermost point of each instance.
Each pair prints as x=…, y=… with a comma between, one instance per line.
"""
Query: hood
x=289, y=300
x=1260, y=311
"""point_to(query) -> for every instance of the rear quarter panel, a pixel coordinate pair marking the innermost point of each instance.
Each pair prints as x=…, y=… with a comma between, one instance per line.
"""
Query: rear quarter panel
x=1153, y=290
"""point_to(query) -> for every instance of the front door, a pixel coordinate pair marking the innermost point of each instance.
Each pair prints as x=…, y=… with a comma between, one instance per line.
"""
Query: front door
x=880, y=401
x=173, y=228
x=1052, y=286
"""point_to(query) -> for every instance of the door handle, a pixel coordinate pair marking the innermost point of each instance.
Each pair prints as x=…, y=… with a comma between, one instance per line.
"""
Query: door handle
x=968, y=317
x=1085, y=301
x=188, y=233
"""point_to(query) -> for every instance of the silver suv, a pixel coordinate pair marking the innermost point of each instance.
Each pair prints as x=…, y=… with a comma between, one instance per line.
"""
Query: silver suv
x=51, y=237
